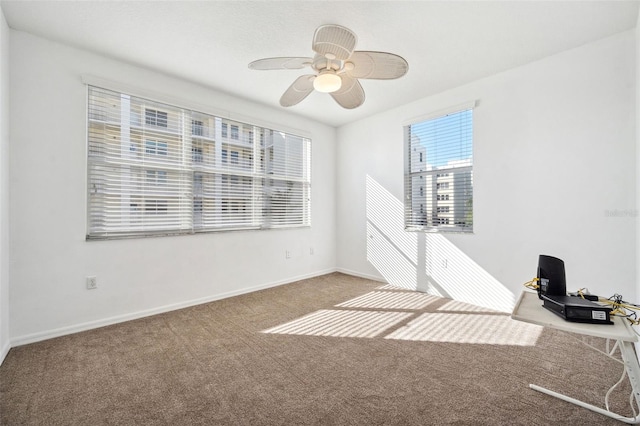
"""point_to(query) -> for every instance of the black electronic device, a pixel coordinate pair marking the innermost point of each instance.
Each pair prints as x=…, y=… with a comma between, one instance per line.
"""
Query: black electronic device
x=551, y=277
x=577, y=309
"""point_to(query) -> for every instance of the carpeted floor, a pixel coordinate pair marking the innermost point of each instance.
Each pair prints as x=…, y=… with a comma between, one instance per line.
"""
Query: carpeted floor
x=331, y=350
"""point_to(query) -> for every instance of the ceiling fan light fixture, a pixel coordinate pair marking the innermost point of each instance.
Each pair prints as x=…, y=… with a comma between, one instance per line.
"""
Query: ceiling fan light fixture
x=336, y=66
x=327, y=82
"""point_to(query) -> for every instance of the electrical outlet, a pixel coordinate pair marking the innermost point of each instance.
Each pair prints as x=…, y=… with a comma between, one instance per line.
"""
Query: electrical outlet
x=310, y=250
x=287, y=254
x=92, y=283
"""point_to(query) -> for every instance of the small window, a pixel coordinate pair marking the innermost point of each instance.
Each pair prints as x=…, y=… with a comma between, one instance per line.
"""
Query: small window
x=197, y=127
x=439, y=157
x=155, y=207
x=197, y=183
x=156, y=177
x=153, y=147
x=235, y=134
x=197, y=205
x=154, y=117
x=196, y=154
x=150, y=147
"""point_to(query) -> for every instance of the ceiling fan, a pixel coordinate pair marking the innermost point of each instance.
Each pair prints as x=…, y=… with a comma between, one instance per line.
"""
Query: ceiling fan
x=337, y=68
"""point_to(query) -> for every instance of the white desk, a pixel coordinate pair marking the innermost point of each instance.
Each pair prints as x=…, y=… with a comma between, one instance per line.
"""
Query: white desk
x=529, y=309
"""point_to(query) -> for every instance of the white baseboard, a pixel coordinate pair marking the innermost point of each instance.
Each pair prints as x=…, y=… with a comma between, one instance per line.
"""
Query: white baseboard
x=4, y=351
x=361, y=275
x=90, y=325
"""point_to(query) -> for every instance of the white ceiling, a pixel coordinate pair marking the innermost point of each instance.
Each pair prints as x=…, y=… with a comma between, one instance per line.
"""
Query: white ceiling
x=447, y=43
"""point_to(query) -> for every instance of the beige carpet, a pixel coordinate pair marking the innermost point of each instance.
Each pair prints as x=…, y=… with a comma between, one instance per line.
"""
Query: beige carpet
x=332, y=350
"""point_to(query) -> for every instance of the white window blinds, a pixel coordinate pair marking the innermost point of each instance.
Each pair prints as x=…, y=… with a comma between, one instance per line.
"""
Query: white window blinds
x=155, y=169
x=439, y=173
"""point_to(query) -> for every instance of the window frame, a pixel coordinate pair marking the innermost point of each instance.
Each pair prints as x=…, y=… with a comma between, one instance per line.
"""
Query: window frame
x=242, y=167
x=421, y=212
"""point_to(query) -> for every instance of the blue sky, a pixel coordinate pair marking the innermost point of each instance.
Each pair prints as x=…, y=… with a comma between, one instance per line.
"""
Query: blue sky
x=446, y=138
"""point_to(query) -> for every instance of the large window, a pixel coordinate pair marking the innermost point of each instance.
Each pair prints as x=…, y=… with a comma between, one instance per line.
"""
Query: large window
x=158, y=169
x=439, y=172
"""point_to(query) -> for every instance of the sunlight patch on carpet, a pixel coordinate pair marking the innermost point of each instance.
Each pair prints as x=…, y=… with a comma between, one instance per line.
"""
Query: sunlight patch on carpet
x=341, y=323
x=457, y=306
x=390, y=300
x=392, y=287
x=473, y=329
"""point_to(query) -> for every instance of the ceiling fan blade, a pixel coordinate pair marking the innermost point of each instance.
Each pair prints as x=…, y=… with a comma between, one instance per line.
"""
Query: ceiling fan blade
x=334, y=40
x=377, y=65
x=350, y=95
x=299, y=90
x=280, y=63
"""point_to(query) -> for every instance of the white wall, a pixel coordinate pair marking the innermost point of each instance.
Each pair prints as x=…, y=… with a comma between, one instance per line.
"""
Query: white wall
x=637, y=212
x=637, y=56
x=4, y=187
x=50, y=257
x=554, y=173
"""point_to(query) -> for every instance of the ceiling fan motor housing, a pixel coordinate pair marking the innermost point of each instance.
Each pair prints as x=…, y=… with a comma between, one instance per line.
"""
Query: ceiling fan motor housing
x=320, y=63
